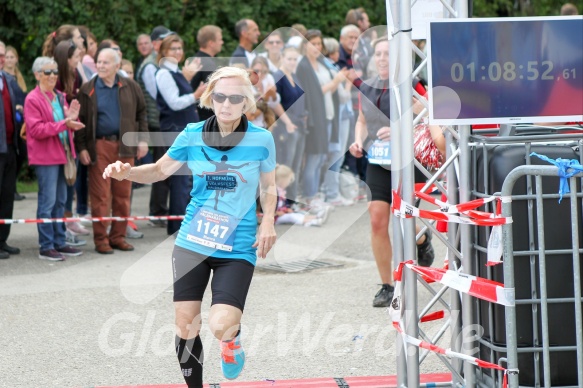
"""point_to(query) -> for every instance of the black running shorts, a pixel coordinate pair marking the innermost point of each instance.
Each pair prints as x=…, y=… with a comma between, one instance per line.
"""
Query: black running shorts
x=378, y=180
x=192, y=271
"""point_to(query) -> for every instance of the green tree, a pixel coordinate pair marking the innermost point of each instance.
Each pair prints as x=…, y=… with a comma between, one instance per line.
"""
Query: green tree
x=26, y=24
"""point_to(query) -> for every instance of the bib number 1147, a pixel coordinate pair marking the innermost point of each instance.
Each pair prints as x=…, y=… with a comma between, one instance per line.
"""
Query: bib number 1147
x=212, y=229
x=218, y=231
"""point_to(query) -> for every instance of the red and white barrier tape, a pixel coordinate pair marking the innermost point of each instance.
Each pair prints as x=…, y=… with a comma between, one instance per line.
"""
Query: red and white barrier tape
x=92, y=219
x=481, y=288
x=472, y=217
x=396, y=312
x=467, y=216
x=407, y=339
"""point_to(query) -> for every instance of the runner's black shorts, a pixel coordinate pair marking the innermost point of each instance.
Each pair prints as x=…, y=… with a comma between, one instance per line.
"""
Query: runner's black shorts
x=378, y=180
x=192, y=271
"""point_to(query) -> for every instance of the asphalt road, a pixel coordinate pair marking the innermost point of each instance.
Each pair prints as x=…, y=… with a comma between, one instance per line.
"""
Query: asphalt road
x=108, y=320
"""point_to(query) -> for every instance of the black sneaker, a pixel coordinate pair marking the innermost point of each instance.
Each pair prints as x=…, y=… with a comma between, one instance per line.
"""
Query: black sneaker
x=18, y=197
x=384, y=296
x=425, y=253
x=8, y=249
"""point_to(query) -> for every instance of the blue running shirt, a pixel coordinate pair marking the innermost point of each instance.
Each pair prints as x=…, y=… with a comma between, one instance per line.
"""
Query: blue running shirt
x=220, y=219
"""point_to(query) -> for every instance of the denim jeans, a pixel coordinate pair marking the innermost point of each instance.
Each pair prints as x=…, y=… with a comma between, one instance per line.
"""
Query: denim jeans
x=313, y=169
x=311, y=173
x=52, y=193
x=335, y=159
x=79, y=188
x=296, y=165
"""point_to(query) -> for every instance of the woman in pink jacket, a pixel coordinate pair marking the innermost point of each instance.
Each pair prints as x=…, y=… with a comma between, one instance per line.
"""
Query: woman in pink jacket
x=50, y=123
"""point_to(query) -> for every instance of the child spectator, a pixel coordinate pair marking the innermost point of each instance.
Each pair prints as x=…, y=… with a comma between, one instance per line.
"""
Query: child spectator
x=284, y=176
x=128, y=67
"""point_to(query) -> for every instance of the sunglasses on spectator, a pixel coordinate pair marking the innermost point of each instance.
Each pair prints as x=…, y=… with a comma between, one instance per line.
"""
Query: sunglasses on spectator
x=233, y=98
x=260, y=71
x=50, y=71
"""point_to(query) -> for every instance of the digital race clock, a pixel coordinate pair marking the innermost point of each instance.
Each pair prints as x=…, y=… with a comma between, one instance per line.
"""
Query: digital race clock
x=510, y=70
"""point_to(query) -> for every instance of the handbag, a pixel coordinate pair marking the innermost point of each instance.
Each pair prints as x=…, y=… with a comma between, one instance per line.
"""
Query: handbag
x=70, y=167
x=424, y=147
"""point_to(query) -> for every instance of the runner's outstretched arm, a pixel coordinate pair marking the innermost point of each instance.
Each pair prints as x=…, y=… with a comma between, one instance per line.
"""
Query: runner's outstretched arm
x=147, y=173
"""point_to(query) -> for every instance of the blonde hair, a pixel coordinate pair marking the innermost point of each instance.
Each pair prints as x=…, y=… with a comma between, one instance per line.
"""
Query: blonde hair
x=288, y=49
x=125, y=62
x=282, y=171
x=17, y=73
x=229, y=72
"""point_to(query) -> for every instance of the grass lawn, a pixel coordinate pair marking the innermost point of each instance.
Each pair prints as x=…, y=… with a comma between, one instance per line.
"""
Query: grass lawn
x=24, y=187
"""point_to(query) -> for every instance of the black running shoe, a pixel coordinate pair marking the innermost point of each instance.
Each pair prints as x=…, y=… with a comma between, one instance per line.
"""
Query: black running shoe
x=384, y=296
x=425, y=254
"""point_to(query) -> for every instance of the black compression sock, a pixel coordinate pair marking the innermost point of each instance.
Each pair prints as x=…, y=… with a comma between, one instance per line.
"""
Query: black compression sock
x=191, y=358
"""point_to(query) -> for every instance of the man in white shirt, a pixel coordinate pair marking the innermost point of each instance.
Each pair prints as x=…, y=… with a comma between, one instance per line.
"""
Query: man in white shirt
x=248, y=33
x=146, y=78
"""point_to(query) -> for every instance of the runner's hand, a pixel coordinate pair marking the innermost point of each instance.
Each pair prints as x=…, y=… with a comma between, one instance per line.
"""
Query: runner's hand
x=384, y=134
x=356, y=149
x=266, y=237
x=117, y=170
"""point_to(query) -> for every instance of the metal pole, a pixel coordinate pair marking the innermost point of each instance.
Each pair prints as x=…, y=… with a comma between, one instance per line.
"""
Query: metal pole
x=507, y=238
x=455, y=302
x=404, y=86
x=397, y=237
x=575, y=217
x=542, y=267
x=461, y=8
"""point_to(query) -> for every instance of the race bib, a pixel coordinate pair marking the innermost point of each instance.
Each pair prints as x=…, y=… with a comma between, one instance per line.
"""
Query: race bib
x=213, y=229
x=380, y=153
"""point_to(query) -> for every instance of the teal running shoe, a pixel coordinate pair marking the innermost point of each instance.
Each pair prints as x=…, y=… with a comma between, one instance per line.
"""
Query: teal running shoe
x=232, y=358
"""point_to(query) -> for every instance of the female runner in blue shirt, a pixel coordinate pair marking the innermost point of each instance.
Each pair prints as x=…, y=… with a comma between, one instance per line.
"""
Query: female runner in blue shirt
x=229, y=159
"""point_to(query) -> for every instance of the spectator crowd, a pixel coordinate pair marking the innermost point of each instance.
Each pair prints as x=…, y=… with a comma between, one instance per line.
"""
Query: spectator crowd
x=71, y=124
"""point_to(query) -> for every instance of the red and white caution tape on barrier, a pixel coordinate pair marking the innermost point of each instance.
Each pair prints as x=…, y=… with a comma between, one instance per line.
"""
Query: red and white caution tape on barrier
x=396, y=313
x=92, y=219
x=450, y=353
x=481, y=288
x=445, y=212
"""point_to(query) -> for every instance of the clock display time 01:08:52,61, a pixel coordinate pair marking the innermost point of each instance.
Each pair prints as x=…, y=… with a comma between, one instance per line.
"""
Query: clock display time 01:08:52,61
x=509, y=71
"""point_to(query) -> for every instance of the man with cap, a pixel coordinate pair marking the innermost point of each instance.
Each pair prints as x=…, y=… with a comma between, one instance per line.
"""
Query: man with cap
x=146, y=78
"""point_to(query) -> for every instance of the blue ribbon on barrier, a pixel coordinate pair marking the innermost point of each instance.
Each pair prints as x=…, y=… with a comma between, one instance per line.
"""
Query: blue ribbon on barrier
x=563, y=165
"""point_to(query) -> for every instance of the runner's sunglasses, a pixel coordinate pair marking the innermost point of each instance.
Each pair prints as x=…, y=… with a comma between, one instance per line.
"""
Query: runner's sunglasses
x=49, y=72
x=233, y=98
